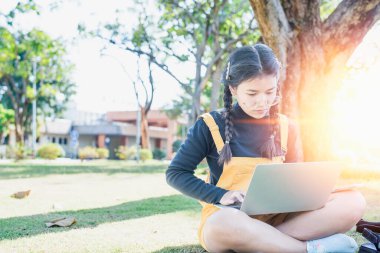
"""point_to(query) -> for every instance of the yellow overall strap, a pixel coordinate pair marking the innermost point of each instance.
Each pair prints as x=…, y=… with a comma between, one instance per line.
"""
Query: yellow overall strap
x=284, y=132
x=214, y=129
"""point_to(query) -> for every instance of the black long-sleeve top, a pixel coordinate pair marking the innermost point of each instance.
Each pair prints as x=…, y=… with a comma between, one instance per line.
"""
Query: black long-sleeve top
x=248, y=136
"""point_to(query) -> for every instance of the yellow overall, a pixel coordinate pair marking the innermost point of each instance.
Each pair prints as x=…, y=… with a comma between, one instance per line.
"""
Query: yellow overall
x=238, y=172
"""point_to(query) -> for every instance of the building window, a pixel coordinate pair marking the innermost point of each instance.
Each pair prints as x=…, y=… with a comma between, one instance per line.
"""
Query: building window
x=65, y=141
x=53, y=140
x=59, y=140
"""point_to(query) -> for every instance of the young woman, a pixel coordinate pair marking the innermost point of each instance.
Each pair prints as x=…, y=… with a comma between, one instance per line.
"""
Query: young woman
x=234, y=140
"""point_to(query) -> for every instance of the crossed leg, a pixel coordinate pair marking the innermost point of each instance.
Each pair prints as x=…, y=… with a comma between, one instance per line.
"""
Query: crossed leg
x=232, y=230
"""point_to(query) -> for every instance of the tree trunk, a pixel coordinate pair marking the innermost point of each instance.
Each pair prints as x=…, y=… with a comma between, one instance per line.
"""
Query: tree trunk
x=19, y=131
x=215, y=90
x=145, y=144
x=196, y=107
x=313, y=54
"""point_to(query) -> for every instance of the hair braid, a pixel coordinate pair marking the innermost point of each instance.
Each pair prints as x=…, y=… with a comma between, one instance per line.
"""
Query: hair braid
x=268, y=150
x=226, y=154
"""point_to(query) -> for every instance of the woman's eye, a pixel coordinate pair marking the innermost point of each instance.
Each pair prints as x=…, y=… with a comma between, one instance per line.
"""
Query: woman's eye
x=251, y=94
x=270, y=93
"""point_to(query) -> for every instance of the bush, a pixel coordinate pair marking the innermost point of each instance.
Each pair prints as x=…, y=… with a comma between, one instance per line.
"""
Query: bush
x=10, y=152
x=120, y=152
x=103, y=153
x=159, y=154
x=19, y=152
x=130, y=153
x=145, y=154
x=88, y=153
x=176, y=145
x=125, y=153
x=50, y=151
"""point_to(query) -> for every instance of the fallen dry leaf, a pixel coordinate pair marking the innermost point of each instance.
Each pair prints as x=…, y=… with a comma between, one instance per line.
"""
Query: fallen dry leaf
x=61, y=222
x=21, y=195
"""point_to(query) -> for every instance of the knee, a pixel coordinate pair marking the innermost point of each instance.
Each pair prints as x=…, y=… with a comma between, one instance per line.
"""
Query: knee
x=354, y=207
x=358, y=205
x=225, y=228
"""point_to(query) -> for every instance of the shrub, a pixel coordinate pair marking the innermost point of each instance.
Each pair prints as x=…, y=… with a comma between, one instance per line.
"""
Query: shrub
x=10, y=152
x=125, y=153
x=50, y=151
x=88, y=153
x=130, y=153
x=103, y=153
x=19, y=152
x=159, y=154
x=145, y=154
x=120, y=152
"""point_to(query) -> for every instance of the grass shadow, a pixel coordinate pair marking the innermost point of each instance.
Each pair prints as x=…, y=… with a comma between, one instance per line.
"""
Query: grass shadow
x=182, y=249
x=16, y=227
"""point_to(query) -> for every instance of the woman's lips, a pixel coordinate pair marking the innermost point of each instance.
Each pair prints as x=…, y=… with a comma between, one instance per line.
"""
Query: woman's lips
x=259, y=111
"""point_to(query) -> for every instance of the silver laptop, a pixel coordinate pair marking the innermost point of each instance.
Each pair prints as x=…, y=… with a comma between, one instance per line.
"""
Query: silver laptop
x=289, y=187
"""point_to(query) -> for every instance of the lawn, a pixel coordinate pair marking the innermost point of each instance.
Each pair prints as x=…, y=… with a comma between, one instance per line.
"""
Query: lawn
x=119, y=207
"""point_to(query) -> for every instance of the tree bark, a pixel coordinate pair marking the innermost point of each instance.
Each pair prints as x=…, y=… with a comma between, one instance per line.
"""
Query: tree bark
x=216, y=82
x=313, y=54
x=15, y=96
x=145, y=144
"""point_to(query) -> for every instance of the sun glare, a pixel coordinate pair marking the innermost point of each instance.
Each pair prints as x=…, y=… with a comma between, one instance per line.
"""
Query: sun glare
x=356, y=115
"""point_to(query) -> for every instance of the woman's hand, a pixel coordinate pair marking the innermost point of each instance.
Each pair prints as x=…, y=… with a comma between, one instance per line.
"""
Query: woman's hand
x=232, y=197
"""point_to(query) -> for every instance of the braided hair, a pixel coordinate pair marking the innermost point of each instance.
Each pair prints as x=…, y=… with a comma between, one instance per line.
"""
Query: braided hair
x=247, y=63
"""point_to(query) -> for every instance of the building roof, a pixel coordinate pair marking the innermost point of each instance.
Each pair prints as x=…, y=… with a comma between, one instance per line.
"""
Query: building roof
x=155, y=117
x=56, y=126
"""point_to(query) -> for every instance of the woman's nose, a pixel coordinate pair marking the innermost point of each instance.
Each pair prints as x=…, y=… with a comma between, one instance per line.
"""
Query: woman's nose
x=262, y=101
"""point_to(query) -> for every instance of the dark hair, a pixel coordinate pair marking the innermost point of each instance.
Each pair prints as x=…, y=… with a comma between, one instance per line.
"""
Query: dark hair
x=246, y=63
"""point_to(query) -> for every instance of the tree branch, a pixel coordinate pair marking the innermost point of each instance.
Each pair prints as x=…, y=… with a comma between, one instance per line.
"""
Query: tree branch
x=162, y=66
x=302, y=14
x=187, y=14
x=150, y=100
x=142, y=83
x=346, y=27
x=219, y=54
x=13, y=85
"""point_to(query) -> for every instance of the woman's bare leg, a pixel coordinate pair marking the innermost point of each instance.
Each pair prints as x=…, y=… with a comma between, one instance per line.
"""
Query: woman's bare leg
x=340, y=214
x=230, y=229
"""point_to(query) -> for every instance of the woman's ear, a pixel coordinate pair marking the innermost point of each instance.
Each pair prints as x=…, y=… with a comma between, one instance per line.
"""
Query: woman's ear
x=232, y=90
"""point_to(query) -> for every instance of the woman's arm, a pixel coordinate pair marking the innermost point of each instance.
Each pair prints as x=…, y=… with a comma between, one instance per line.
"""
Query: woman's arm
x=180, y=174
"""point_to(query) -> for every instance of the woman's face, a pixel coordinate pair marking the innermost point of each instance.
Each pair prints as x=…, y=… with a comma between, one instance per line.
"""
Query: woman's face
x=257, y=95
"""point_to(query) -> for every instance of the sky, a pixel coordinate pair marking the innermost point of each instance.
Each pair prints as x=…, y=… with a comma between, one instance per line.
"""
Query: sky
x=102, y=84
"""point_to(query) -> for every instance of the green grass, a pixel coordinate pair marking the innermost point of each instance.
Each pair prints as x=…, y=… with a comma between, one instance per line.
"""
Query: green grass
x=155, y=218
x=16, y=227
x=181, y=249
x=24, y=170
x=19, y=170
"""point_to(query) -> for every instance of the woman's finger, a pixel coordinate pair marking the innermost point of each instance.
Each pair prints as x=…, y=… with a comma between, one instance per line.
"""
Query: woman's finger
x=240, y=198
x=242, y=193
